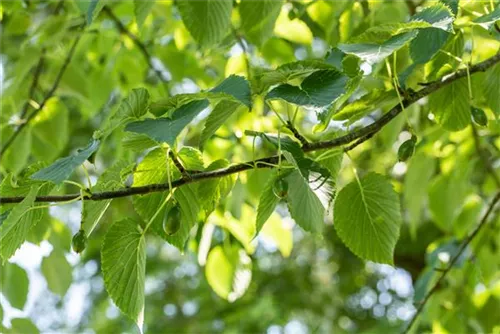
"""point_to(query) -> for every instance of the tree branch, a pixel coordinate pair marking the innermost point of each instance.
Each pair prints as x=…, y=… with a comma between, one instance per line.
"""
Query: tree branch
x=445, y=272
x=142, y=47
x=361, y=134
x=296, y=134
x=412, y=8
x=34, y=83
x=51, y=92
x=482, y=154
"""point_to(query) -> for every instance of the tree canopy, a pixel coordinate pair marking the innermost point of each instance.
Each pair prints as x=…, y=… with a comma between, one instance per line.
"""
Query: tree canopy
x=272, y=166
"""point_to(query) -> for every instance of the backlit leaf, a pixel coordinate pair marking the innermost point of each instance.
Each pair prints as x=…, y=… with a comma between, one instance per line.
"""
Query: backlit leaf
x=367, y=218
x=124, y=267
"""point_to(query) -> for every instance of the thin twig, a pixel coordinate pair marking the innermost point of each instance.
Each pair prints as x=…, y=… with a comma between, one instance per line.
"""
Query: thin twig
x=178, y=164
x=60, y=5
x=51, y=92
x=361, y=134
x=412, y=8
x=445, y=272
x=296, y=134
x=358, y=142
x=34, y=83
x=366, y=7
x=482, y=154
x=142, y=47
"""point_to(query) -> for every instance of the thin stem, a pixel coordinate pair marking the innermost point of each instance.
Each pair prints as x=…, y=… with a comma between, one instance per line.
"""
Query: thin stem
x=412, y=7
x=445, y=272
x=51, y=92
x=354, y=135
x=34, y=83
x=178, y=164
x=86, y=172
x=277, y=114
x=469, y=84
x=157, y=213
x=297, y=134
x=295, y=114
x=140, y=45
x=482, y=154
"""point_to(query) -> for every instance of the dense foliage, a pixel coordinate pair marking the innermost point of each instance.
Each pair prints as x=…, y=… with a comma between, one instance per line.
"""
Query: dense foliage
x=250, y=165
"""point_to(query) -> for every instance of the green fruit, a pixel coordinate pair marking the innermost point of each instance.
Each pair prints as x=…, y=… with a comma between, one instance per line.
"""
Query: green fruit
x=172, y=223
x=406, y=149
x=280, y=188
x=79, y=241
x=479, y=116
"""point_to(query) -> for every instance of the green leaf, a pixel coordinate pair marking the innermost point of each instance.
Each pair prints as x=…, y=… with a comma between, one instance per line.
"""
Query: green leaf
x=142, y=9
x=191, y=158
x=332, y=161
x=24, y=326
x=60, y=236
x=41, y=230
x=15, y=158
x=442, y=63
x=318, y=89
x=234, y=88
x=137, y=142
x=304, y=206
x=167, y=129
x=267, y=202
x=132, y=107
x=152, y=169
x=211, y=191
x=468, y=217
x=351, y=65
x=188, y=106
x=3, y=216
x=376, y=52
x=381, y=33
x=63, y=168
x=489, y=19
x=326, y=116
x=15, y=285
x=53, y=118
x=93, y=9
x=58, y=272
x=124, y=267
x=15, y=227
x=452, y=4
x=439, y=16
x=229, y=272
x=450, y=105
x=417, y=179
x=217, y=117
x=258, y=19
x=427, y=44
x=491, y=87
x=287, y=72
x=447, y=194
x=367, y=218
x=208, y=21
x=365, y=104
x=278, y=232
x=431, y=40
x=190, y=208
x=241, y=228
